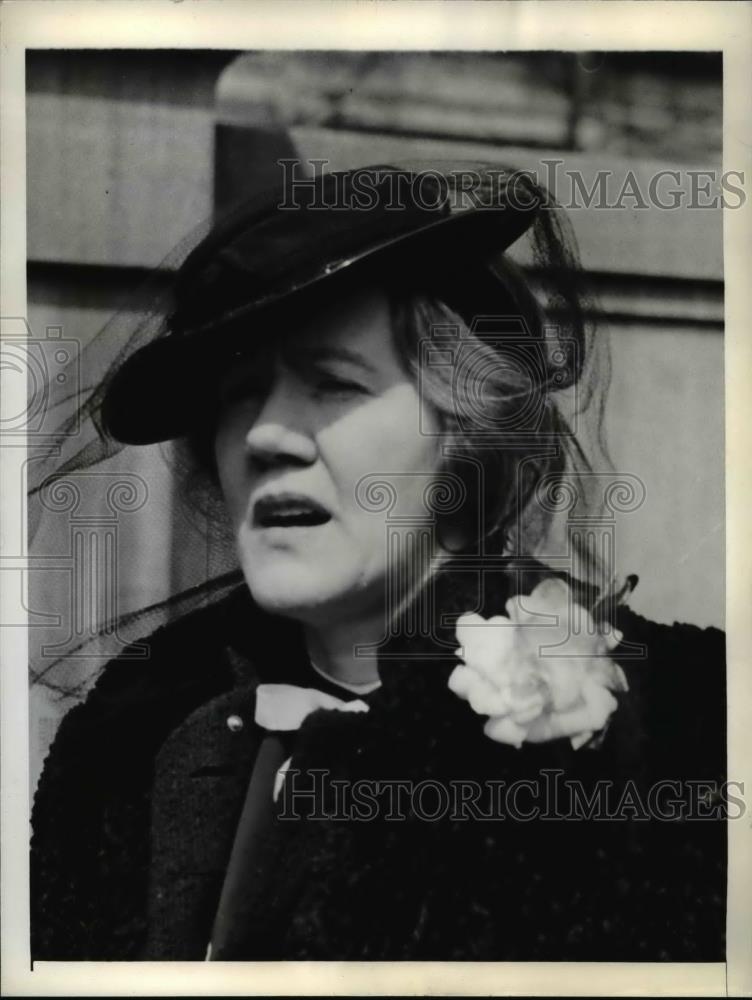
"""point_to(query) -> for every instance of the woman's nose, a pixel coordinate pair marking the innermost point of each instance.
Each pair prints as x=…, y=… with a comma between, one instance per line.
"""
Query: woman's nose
x=280, y=434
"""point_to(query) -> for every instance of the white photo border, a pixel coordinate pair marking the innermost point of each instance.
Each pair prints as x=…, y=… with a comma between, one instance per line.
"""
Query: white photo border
x=382, y=25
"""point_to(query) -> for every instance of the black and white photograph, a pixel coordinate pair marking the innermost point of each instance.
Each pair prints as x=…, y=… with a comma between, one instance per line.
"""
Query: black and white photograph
x=373, y=562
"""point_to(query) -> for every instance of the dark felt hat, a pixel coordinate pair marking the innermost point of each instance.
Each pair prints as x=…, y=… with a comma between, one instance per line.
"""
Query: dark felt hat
x=292, y=250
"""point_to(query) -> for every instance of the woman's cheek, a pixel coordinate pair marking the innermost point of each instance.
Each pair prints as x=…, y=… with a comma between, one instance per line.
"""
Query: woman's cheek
x=229, y=452
x=393, y=432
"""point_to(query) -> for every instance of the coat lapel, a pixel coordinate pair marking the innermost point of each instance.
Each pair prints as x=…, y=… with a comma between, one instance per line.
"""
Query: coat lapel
x=201, y=778
x=200, y=781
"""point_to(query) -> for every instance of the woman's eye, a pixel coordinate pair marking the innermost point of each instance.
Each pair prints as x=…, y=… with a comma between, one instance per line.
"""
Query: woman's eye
x=240, y=392
x=331, y=385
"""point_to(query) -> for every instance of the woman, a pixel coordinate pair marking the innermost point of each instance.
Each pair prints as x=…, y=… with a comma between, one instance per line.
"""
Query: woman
x=342, y=759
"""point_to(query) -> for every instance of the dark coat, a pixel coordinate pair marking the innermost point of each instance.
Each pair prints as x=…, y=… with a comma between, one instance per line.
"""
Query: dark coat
x=136, y=811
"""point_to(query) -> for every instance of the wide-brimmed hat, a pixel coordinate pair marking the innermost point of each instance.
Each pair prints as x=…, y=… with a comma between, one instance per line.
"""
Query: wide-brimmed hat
x=293, y=249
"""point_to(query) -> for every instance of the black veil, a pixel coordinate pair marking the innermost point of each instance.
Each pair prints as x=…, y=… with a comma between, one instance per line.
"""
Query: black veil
x=125, y=538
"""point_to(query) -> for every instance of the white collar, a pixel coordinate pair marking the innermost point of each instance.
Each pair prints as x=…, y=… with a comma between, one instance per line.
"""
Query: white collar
x=362, y=688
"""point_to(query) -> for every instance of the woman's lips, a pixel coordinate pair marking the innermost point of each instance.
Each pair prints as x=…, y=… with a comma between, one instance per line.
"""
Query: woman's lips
x=288, y=510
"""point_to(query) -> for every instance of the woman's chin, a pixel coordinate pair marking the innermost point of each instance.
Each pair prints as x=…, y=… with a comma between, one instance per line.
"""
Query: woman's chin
x=312, y=596
x=302, y=595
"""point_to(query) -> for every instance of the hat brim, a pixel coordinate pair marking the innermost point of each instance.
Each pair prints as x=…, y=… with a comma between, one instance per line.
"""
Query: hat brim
x=164, y=390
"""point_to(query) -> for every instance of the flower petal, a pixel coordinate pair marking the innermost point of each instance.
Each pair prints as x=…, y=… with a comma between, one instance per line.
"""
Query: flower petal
x=485, y=699
x=605, y=672
x=564, y=677
x=551, y=595
x=460, y=680
x=598, y=704
x=502, y=729
x=465, y=631
x=468, y=620
x=525, y=711
x=623, y=683
x=613, y=637
x=581, y=739
x=522, y=611
x=551, y=726
x=489, y=646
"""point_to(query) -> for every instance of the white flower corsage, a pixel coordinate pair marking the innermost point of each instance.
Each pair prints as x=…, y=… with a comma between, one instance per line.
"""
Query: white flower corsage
x=538, y=680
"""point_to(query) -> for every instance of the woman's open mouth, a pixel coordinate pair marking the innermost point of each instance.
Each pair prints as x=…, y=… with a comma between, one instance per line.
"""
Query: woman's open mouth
x=288, y=510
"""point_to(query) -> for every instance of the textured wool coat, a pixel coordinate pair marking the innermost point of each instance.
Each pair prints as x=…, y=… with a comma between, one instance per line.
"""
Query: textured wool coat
x=136, y=812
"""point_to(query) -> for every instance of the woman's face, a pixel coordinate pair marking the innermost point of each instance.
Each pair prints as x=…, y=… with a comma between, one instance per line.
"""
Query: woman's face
x=297, y=433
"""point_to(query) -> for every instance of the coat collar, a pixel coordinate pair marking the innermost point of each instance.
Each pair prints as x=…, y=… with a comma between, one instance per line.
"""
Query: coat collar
x=202, y=772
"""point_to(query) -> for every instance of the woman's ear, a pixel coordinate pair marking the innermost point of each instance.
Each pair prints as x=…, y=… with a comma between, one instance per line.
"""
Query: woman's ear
x=452, y=540
x=459, y=531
